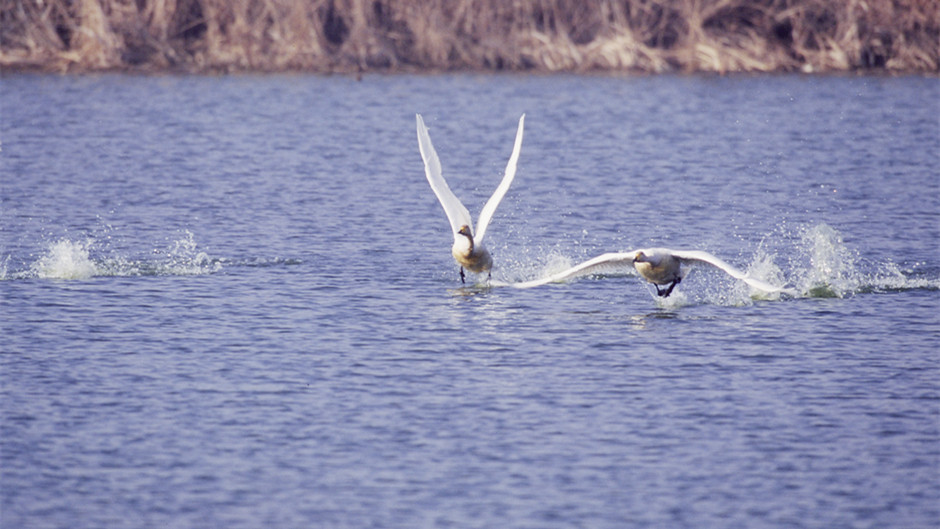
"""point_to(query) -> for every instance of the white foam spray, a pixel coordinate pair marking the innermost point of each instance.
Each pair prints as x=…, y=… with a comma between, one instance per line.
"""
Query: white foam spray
x=65, y=259
x=87, y=258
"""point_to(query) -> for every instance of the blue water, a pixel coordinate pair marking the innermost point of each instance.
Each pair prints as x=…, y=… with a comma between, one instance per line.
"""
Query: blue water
x=230, y=302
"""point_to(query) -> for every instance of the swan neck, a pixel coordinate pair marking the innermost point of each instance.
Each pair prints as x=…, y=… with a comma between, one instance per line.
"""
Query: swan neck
x=465, y=231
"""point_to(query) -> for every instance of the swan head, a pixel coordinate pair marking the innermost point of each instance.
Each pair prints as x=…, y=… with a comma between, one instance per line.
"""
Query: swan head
x=654, y=257
x=463, y=246
x=468, y=233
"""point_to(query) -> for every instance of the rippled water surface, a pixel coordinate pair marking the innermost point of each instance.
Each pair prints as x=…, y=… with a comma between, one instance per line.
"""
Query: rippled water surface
x=230, y=302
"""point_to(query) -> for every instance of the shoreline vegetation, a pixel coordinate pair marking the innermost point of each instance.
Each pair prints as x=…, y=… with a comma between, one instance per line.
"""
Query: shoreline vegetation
x=581, y=36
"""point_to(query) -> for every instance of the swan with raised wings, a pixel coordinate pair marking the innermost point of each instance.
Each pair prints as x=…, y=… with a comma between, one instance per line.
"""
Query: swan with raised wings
x=468, y=249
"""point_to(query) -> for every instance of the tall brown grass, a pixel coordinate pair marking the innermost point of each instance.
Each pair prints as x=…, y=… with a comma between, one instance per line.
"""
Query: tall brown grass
x=534, y=35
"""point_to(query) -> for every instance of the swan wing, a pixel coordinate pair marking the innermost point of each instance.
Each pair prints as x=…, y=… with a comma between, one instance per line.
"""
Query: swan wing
x=490, y=207
x=608, y=262
x=456, y=212
x=691, y=256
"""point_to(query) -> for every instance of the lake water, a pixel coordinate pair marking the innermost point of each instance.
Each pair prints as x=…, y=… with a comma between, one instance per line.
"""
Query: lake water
x=230, y=302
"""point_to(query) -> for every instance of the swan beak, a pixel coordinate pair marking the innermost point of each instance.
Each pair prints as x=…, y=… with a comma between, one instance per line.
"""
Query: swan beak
x=638, y=258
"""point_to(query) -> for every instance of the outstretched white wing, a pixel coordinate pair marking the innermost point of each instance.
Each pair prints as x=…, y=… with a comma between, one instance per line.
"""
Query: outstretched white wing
x=621, y=262
x=608, y=262
x=691, y=256
x=456, y=212
x=490, y=208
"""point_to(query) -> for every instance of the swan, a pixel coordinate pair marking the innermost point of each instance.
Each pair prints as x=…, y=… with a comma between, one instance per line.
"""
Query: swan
x=660, y=266
x=468, y=249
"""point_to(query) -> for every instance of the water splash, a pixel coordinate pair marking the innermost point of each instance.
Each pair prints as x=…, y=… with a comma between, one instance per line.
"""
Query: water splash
x=66, y=259
x=183, y=257
x=817, y=263
x=87, y=258
x=676, y=300
x=833, y=270
x=554, y=263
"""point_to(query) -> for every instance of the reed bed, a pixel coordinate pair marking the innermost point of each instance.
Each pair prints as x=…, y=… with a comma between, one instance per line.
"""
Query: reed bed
x=441, y=35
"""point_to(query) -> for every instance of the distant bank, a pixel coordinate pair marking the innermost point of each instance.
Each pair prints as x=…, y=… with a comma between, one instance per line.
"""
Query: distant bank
x=350, y=36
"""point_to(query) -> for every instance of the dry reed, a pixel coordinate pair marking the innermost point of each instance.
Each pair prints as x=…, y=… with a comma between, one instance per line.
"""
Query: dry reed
x=516, y=35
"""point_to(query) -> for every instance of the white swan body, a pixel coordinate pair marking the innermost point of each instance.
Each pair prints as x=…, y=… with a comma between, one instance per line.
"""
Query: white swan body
x=468, y=249
x=659, y=266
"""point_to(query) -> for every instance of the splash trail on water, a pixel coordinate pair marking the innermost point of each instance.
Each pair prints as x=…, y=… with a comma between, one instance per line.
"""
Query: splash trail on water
x=87, y=257
x=830, y=268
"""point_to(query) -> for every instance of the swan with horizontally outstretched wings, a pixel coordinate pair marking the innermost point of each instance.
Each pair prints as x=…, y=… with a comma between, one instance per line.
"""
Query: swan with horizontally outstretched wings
x=660, y=266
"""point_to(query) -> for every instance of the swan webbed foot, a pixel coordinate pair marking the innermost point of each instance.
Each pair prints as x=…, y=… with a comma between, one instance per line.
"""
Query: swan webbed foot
x=665, y=293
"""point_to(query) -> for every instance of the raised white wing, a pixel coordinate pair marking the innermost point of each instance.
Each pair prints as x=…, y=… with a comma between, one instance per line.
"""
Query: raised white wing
x=490, y=207
x=691, y=256
x=608, y=262
x=456, y=212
